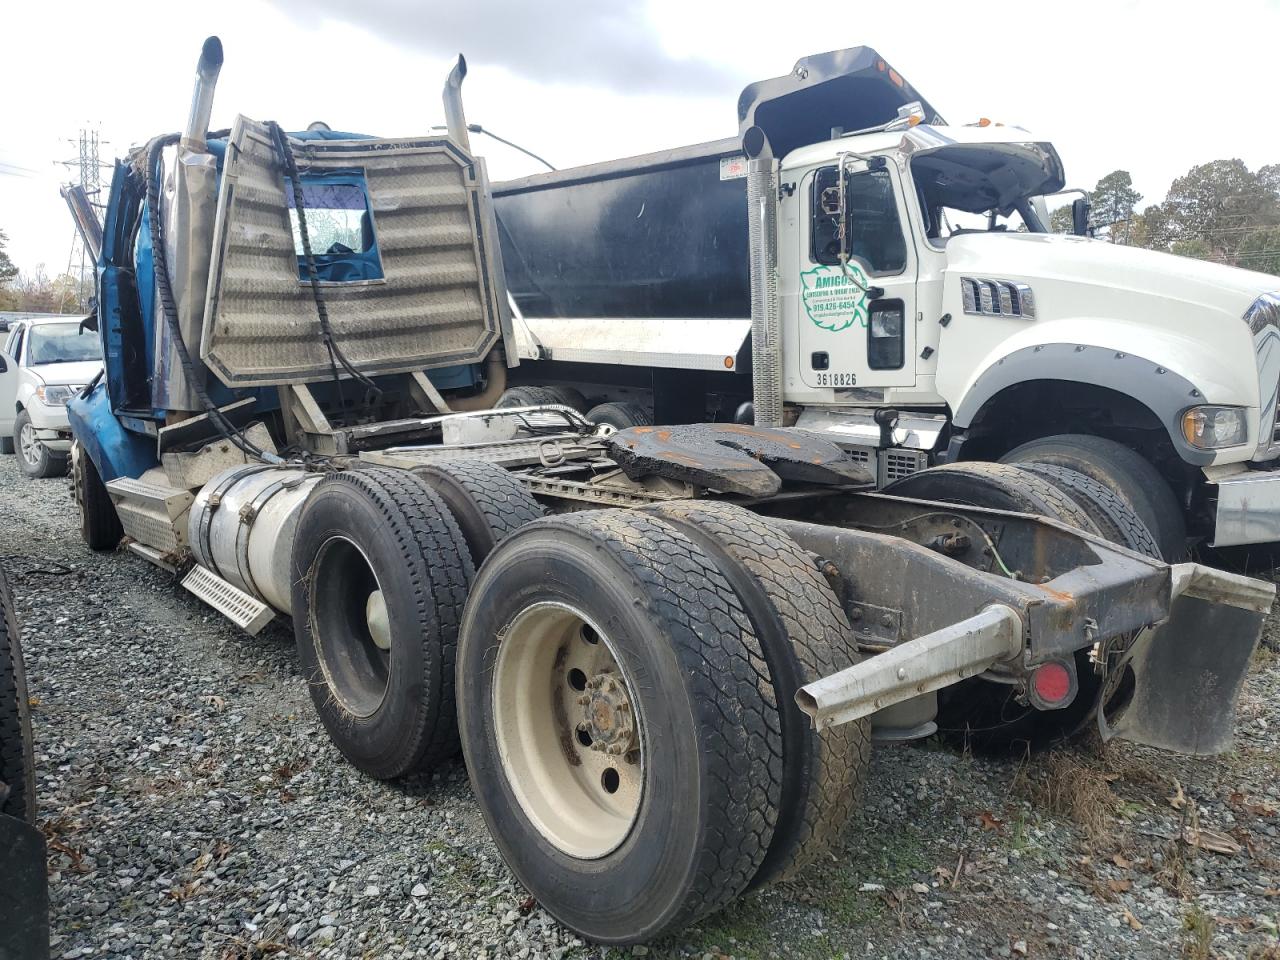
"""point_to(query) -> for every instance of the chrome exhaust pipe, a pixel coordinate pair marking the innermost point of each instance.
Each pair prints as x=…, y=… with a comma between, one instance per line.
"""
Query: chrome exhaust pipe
x=766, y=323
x=454, y=118
x=202, y=97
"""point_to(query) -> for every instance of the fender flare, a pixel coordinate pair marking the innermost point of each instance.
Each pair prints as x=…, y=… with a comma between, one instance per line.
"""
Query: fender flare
x=1161, y=390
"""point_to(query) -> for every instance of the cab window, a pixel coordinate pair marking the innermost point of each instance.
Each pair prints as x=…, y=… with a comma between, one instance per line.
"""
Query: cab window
x=339, y=226
x=875, y=237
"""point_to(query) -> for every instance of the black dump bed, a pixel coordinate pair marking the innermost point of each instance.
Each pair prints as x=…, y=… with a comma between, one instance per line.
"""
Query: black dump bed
x=665, y=234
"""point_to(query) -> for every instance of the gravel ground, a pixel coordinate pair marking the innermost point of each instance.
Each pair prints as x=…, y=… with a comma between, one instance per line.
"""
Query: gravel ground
x=194, y=808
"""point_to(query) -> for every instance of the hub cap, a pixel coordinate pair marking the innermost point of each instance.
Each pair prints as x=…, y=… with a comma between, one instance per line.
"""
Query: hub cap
x=567, y=732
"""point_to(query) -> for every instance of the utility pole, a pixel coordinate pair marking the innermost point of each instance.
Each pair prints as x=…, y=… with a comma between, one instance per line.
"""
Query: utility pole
x=86, y=168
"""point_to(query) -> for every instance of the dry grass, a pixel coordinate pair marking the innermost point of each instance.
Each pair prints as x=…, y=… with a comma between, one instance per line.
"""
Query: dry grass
x=1067, y=786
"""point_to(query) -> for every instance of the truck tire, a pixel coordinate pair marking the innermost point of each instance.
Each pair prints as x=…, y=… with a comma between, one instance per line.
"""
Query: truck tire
x=620, y=416
x=994, y=485
x=380, y=575
x=529, y=396
x=985, y=715
x=17, y=761
x=804, y=635
x=34, y=458
x=99, y=523
x=1122, y=470
x=487, y=502
x=570, y=397
x=618, y=722
x=1115, y=519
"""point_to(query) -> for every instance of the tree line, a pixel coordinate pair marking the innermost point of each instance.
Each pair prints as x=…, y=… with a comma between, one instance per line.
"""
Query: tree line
x=34, y=291
x=1220, y=211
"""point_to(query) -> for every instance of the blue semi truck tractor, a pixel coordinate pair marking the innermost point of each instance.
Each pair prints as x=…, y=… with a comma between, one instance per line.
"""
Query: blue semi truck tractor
x=664, y=651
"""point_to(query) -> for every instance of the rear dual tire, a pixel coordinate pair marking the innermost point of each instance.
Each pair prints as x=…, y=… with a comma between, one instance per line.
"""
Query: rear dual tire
x=692, y=685
x=713, y=619
x=380, y=572
x=985, y=714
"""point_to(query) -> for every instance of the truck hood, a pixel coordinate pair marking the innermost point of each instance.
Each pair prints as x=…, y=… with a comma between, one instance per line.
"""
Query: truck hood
x=77, y=373
x=1096, y=266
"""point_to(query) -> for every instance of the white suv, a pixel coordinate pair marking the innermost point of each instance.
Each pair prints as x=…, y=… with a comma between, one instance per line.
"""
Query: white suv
x=45, y=361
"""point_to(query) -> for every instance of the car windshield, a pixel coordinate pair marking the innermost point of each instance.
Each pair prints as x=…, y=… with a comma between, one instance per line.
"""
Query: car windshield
x=984, y=187
x=62, y=343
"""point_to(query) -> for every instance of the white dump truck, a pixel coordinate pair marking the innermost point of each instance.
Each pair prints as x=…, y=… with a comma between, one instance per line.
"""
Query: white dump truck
x=918, y=309
x=664, y=651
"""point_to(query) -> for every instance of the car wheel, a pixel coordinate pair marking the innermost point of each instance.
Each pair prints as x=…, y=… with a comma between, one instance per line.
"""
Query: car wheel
x=34, y=458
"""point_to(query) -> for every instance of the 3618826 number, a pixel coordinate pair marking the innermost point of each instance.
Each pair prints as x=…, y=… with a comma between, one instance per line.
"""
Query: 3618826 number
x=833, y=379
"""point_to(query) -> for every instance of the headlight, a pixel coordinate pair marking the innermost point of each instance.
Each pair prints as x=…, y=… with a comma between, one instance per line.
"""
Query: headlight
x=1211, y=428
x=56, y=395
x=1265, y=312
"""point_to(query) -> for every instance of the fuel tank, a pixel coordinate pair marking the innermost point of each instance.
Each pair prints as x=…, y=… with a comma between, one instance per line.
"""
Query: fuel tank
x=242, y=524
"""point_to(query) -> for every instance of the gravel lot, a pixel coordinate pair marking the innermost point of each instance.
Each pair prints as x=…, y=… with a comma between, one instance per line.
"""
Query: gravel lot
x=194, y=808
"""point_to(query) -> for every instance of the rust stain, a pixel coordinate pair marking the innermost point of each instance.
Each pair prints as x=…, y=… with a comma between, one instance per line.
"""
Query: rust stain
x=1059, y=595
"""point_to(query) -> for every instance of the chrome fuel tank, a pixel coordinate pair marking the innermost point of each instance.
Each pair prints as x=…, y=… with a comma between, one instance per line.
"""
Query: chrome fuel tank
x=242, y=524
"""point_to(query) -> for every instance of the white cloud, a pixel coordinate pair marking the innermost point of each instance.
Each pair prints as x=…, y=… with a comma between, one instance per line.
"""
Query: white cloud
x=1151, y=87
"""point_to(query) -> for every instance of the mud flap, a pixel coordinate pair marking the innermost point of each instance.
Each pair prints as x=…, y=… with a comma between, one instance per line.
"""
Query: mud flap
x=24, y=892
x=1188, y=671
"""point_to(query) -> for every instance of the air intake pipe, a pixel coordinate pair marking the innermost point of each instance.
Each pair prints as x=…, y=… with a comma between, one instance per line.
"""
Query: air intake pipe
x=202, y=97
x=766, y=333
x=454, y=117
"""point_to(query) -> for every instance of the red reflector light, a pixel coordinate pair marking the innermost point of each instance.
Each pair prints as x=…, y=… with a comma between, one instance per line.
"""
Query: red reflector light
x=1052, y=682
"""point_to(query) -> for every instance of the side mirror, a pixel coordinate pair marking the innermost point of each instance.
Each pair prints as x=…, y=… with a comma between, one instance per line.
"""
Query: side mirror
x=1080, y=217
x=4, y=364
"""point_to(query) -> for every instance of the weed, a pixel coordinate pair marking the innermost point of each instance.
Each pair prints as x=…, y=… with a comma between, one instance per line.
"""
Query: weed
x=1197, y=934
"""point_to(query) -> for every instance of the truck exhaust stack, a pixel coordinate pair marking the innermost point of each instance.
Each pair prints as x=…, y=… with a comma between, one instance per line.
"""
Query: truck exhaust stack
x=207, y=70
x=454, y=117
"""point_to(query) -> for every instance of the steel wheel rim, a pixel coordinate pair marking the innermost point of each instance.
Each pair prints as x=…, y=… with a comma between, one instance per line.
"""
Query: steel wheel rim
x=354, y=654
x=28, y=445
x=569, y=737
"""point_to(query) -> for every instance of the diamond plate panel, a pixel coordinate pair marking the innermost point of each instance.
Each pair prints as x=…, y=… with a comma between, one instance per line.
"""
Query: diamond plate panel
x=440, y=301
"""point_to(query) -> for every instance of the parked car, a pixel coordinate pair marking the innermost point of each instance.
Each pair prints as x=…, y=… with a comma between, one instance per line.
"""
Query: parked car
x=44, y=363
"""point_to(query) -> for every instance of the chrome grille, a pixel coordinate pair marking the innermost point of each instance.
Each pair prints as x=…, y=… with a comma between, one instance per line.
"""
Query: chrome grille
x=997, y=298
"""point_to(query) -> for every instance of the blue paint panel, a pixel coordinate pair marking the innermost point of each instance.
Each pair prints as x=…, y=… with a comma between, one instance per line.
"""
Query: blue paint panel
x=114, y=451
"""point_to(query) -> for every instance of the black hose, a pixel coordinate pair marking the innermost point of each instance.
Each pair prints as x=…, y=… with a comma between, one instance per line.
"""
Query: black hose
x=170, y=309
x=336, y=356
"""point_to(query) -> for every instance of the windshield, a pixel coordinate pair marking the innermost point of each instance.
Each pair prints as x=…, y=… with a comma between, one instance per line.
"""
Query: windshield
x=62, y=343
x=984, y=187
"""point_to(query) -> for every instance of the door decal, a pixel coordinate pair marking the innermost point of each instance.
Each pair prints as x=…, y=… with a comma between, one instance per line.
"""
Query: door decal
x=831, y=300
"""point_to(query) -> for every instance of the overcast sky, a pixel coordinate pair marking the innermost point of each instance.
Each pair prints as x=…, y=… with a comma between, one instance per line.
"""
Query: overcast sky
x=1152, y=87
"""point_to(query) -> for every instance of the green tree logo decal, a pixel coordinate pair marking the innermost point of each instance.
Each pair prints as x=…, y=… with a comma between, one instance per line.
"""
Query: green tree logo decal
x=831, y=301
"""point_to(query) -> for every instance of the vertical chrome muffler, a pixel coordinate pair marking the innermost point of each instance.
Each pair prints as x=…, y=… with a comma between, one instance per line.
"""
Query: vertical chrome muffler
x=454, y=117
x=766, y=327
x=207, y=69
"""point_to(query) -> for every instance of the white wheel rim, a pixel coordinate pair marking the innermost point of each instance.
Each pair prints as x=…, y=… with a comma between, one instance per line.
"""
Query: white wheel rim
x=569, y=738
x=29, y=445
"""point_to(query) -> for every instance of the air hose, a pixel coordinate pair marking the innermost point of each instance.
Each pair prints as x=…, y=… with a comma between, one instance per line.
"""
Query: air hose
x=336, y=356
x=170, y=309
